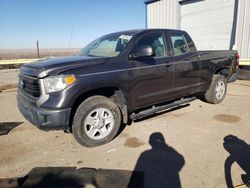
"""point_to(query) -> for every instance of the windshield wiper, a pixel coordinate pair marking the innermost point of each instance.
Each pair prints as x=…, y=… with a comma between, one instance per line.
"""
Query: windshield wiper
x=93, y=56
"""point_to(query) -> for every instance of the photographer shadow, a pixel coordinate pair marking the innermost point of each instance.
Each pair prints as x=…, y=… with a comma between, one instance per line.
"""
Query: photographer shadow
x=239, y=152
x=160, y=165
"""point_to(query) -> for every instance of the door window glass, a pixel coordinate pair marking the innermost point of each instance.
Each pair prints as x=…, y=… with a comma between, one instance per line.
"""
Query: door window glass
x=179, y=43
x=156, y=41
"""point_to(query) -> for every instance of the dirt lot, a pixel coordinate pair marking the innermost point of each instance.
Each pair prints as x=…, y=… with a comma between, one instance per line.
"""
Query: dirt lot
x=193, y=142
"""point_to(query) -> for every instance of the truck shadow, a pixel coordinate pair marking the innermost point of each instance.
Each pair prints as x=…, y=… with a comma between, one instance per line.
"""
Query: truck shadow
x=6, y=127
x=239, y=152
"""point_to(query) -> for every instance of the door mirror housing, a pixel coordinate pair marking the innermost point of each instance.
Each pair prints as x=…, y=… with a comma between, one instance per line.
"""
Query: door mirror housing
x=143, y=51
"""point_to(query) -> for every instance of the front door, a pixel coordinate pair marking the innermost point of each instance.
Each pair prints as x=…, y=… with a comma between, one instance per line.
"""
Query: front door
x=152, y=77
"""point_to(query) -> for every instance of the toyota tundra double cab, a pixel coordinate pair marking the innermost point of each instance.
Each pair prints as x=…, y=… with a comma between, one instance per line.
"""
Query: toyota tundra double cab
x=118, y=78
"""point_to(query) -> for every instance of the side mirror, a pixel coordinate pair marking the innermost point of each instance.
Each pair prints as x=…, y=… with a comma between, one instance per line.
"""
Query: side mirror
x=143, y=51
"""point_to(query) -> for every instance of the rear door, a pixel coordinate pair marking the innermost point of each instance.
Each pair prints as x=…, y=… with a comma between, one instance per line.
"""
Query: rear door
x=186, y=63
x=152, y=77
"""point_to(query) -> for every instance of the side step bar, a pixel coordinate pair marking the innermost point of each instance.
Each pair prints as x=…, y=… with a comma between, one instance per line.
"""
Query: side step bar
x=154, y=109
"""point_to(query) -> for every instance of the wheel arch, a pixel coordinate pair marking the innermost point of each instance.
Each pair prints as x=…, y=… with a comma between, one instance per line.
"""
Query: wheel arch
x=114, y=93
x=222, y=71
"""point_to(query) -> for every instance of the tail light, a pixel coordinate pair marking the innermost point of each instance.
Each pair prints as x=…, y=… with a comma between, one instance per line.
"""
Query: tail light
x=237, y=59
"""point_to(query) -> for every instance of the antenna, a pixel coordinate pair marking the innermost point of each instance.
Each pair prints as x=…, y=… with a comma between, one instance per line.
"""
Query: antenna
x=71, y=35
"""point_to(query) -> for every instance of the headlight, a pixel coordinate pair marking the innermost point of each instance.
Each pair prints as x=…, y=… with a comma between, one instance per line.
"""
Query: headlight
x=58, y=83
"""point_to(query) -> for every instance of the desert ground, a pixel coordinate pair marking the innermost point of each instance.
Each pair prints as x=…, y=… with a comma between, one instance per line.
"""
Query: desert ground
x=32, y=53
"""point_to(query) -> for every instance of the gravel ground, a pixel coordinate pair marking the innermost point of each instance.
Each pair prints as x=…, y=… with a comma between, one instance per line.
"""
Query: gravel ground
x=8, y=76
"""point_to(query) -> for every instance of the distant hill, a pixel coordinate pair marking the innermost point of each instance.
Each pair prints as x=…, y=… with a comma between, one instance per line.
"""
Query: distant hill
x=32, y=53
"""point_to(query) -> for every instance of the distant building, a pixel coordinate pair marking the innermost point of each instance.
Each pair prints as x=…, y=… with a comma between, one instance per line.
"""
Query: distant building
x=213, y=24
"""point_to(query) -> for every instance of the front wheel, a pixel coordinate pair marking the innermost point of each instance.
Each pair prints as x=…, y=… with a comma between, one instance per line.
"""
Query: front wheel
x=96, y=122
x=217, y=91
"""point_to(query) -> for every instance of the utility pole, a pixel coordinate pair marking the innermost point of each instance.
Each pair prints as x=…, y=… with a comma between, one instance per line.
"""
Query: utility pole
x=37, y=48
x=72, y=31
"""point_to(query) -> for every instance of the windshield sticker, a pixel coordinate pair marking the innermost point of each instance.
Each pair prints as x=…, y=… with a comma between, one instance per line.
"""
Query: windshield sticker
x=125, y=37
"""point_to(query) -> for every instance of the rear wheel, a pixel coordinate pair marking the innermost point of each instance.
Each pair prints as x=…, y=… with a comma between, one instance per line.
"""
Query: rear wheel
x=96, y=122
x=217, y=91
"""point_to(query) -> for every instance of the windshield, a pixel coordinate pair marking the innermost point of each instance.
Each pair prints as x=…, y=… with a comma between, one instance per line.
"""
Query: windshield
x=107, y=46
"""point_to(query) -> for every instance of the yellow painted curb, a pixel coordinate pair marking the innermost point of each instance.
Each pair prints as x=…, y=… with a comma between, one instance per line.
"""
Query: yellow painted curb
x=16, y=61
x=245, y=62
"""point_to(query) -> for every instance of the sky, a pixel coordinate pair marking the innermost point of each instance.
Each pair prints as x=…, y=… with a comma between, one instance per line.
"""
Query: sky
x=22, y=22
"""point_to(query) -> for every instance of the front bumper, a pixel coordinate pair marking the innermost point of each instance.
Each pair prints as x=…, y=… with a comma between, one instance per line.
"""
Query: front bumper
x=45, y=119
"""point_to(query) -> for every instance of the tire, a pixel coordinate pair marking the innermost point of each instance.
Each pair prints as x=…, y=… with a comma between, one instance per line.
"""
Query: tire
x=217, y=91
x=96, y=121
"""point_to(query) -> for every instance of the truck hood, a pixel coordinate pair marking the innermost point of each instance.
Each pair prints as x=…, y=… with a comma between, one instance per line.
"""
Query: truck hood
x=57, y=65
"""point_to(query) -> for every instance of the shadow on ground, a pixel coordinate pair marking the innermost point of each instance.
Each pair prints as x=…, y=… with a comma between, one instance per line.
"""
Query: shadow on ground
x=6, y=127
x=156, y=168
x=239, y=152
x=161, y=164
x=70, y=177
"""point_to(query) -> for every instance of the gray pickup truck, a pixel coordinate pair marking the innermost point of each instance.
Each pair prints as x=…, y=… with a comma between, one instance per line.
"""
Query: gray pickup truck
x=121, y=77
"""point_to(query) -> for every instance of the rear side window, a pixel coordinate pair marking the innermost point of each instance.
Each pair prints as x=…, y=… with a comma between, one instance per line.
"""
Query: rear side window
x=179, y=43
x=156, y=41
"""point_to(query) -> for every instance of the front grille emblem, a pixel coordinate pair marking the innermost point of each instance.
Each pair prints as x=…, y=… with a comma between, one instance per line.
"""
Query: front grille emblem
x=21, y=84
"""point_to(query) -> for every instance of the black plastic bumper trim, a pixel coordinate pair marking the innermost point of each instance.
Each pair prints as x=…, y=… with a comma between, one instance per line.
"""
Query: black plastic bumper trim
x=45, y=119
